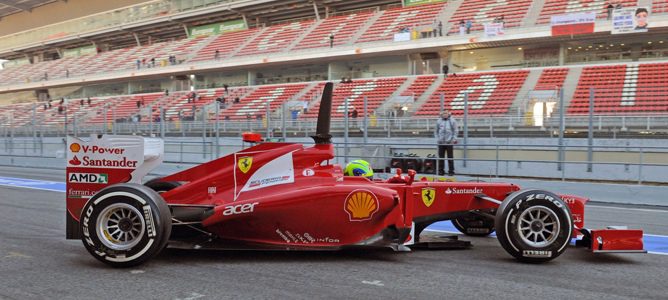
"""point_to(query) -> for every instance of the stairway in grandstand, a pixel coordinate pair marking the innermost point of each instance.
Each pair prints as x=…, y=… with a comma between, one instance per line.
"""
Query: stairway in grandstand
x=560, y=7
x=255, y=103
x=485, y=11
x=489, y=93
x=534, y=12
x=429, y=90
x=343, y=27
x=376, y=91
x=405, y=91
x=392, y=20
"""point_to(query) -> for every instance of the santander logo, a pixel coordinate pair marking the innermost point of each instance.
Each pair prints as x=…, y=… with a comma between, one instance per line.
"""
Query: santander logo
x=75, y=161
x=454, y=190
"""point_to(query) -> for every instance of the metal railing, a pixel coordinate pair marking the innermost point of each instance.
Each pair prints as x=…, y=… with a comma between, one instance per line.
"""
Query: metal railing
x=632, y=163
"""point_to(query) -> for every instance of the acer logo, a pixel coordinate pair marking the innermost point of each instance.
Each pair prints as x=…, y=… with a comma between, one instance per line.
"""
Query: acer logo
x=239, y=209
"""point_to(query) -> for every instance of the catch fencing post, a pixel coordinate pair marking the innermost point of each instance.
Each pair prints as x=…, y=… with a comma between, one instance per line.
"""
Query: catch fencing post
x=366, y=121
x=466, y=126
x=283, y=116
x=590, y=134
x=345, y=130
x=562, y=127
x=217, y=130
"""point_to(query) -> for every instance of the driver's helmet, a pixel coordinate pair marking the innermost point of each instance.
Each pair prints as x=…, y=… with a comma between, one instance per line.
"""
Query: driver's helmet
x=359, y=168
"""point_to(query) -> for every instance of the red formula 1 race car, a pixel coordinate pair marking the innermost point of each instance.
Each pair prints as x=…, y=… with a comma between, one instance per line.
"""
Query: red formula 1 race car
x=287, y=196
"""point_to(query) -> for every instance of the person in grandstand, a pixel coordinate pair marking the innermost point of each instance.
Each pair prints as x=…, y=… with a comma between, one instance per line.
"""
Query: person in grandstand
x=446, y=136
x=359, y=167
x=641, y=18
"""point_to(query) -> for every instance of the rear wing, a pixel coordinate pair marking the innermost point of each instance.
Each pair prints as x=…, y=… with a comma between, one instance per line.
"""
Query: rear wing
x=102, y=160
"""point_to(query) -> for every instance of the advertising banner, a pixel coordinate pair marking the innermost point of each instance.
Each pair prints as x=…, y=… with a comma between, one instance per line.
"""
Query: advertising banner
x=493, y=29
x=218, y=28
x=420, y=2
x=402, y=37
x=572, y=24
x=16, y=62
x=630, y=20
x=74, y=52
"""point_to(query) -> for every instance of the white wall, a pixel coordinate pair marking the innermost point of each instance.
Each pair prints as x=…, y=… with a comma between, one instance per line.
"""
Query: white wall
x=485, y=59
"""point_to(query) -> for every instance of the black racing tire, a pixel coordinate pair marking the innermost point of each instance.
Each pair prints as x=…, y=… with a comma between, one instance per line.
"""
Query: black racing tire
x=474, y=225
x=162, y=186
x=126, y=224
x=534, y=226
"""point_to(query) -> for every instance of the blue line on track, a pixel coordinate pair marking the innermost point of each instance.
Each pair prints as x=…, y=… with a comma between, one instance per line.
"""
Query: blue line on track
x=657, y=244
x=33, y=184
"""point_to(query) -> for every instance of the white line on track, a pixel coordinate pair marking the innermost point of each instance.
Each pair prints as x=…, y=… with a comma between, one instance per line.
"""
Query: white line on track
x=628, y=208
x=31, y=188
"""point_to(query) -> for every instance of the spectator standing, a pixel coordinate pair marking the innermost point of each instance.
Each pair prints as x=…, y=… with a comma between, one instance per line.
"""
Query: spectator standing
x=81, y=102
x=166, y=92
x=610, y=7
x=46, y=76
x=618, y=6
x=152, y=62
x=354, y=114
x=236, y=100
x=138, y=64
x=67, y=73
x=138, y=104
x=225, y=86
x=446, y=69
x=331, y=40
x=440, y=28
x=469, y=24
x=216, y=56
x=45, y=106
x=446, y=136
x=462, y=27
x=88, y=101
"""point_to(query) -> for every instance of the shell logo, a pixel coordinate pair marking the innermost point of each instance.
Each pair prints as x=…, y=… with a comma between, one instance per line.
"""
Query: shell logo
x=75, y=147
x=361, y=205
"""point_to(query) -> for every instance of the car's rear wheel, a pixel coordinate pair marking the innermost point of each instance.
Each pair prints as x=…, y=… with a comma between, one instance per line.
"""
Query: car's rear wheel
x=534, y=226
x=474, y=225
x=124, y=225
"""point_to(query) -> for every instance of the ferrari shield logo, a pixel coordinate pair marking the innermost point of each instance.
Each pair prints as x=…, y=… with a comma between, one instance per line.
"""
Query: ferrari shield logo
x=245, y=163
x=428, y=196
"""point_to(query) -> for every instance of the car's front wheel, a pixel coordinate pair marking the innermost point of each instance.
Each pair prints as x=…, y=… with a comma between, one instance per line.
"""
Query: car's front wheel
x=534, y=226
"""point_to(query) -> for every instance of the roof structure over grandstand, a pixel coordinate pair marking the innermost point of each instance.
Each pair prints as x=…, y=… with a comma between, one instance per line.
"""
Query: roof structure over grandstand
x=8, y=7
x=165, y=20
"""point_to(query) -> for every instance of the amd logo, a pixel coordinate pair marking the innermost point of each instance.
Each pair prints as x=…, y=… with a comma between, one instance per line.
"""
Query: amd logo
x=88, y=178
x=239, y=209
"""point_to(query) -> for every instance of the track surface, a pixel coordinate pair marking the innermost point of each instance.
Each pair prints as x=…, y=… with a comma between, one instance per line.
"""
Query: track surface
x=36, y=262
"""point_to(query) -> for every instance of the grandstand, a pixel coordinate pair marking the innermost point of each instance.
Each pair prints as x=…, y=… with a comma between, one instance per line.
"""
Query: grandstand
x=284, y=51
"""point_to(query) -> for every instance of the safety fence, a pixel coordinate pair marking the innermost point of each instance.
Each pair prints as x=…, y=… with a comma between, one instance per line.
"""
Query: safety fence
x=581, y=162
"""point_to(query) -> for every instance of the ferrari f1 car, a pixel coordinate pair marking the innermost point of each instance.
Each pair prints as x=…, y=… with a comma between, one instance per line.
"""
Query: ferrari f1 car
x=290, y=197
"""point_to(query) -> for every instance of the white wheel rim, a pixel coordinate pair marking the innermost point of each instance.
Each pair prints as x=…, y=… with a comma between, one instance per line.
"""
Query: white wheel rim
x=120, y=226
x=538, y=226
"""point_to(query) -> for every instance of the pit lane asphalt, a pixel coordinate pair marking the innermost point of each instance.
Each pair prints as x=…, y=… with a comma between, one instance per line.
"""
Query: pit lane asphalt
x=36, y=262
